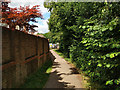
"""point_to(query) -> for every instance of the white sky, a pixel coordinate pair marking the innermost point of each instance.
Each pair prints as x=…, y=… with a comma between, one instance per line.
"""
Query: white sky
x=42, y=24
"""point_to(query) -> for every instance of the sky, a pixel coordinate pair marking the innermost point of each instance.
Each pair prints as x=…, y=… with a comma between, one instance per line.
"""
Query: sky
x=42, y=23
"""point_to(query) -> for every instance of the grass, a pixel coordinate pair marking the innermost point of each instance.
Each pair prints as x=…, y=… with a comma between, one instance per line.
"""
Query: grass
x=62, y=55
x=86, y=80
x=39, y=78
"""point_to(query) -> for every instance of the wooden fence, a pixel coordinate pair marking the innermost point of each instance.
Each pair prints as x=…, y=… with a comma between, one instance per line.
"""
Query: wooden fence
x=22, y=54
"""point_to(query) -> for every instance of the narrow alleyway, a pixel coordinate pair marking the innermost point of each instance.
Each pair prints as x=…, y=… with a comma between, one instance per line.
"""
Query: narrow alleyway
x=63, y=75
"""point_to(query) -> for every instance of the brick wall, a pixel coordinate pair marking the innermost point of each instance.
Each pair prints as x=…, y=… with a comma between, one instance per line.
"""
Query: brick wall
x=22, y=55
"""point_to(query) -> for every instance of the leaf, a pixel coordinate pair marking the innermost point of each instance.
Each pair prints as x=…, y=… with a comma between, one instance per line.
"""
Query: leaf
x=104, y=57
x=92, y=34
x=83, y=27
x=80, y=26
x=109, y=82
x=110, y=28
x=112, y=55
x=100, y=45
x=98, y=74
x=84, y=41
x=104, y=28
x=108, y=65
x=89, y=63
x=99, y=65
x=88, y=30
x=107, y=55
x=117, y=81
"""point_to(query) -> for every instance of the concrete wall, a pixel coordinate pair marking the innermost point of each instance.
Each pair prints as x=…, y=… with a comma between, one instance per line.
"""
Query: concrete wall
x=22, y=55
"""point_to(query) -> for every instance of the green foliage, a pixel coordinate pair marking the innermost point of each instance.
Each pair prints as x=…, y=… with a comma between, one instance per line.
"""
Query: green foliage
x=48, y=36
x=98, y=52
x=39, y=79
x=91, y=38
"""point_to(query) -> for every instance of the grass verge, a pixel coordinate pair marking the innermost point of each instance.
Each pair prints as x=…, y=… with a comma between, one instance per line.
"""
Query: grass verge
x=63, y=56
x=39, y=78
x=86, y=80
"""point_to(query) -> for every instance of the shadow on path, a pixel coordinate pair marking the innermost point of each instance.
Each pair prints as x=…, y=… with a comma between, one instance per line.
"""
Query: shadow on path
x=63, y=75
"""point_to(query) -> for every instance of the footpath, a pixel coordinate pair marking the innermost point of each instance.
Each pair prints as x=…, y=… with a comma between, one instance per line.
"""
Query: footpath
x=63, y=75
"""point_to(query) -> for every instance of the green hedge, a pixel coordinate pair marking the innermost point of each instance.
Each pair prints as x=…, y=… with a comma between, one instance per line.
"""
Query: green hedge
x=89, y=33
x=98, y=52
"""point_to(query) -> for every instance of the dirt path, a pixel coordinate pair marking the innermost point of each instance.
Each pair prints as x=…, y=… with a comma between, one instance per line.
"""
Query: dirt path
x=63, y=75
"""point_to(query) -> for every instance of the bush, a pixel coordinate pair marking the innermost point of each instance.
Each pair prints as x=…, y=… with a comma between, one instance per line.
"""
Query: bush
x=98, y=53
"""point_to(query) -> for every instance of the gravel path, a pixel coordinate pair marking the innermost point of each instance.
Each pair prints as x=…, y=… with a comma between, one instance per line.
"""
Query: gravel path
x=63, y=75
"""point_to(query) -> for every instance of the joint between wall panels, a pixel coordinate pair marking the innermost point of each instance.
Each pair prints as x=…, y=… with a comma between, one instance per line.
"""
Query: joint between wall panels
x=26, y=56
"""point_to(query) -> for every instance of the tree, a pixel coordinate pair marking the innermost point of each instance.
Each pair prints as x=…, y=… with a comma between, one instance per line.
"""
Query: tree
x=21, y=16
x=4, y=5
x=61, y=21
x=3, y=8
x=90, y=35
x=49, y=36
